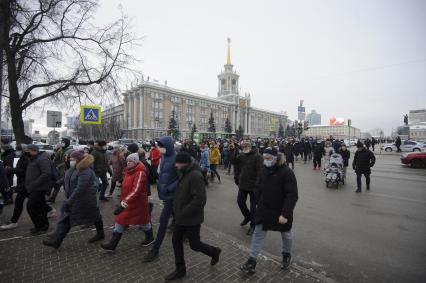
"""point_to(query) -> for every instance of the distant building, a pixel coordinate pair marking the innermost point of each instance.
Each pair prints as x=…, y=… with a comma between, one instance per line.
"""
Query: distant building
x=114, y=112
x=418, y=131
x=313, y=118
x=28, y=127
x=148, y=108
x=416, y=116
x=337, y=131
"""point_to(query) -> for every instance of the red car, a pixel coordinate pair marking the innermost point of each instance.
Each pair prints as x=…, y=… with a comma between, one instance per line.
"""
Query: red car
x=414, y=159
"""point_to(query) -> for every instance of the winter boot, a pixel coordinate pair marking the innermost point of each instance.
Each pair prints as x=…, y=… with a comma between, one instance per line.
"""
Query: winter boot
x=215, y=257
x=100, y=235
x=113, y=242
x=180, y=272
x=286, y=261
x=249, y=266
x=149, y=238
x=61, y=232
x=151, y=255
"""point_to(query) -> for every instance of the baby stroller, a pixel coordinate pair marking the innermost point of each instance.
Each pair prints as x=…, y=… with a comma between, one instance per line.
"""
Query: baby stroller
x=334, y=171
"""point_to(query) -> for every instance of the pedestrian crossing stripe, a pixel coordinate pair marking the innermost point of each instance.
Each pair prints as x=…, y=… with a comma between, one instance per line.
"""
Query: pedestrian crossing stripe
x=90, y=114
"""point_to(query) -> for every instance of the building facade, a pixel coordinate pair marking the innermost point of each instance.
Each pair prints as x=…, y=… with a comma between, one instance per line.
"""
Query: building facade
x=417, y=116
x=313, y=118
x=418, y=132
x=337, y=131
x=148, y=108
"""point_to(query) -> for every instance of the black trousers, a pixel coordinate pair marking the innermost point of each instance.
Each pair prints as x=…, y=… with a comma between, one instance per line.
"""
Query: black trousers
x=19, y=205
x=358, y=179
x=317, y=162
x=290, y=162
x=213, y=169
x=37, y=209
x=242, y=199
x=104, y=187
x=193, y=235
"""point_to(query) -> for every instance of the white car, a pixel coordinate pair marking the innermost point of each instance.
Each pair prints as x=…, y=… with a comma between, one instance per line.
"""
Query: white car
x=406, y=146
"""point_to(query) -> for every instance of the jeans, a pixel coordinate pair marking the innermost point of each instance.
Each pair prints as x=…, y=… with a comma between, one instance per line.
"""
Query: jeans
x=193, y=235
x=104, y=180
x=37, y=209
x=19, y=206
x=120, y=228
x=259, y=236
x=164, y=221
x=242, y=199
x=358, y=179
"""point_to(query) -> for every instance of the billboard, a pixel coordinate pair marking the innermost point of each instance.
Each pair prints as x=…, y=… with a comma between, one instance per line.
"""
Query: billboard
x=336, y=121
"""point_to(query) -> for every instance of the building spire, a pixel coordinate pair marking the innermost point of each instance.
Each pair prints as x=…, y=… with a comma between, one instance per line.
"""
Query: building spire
x=228, y=58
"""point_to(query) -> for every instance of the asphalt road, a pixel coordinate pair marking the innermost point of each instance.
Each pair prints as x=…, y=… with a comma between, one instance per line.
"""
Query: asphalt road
x=375, y=236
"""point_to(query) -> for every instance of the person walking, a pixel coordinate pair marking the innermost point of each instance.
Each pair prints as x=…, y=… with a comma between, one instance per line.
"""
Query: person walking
x=319, y=152
x=133, y=208
x=306, y=150
x=363, y=161
x=8, y=157
x=289, y=154
x=346, y=154
x=155, y=157
x=188, y=207
x=278, y=196
x=373, y=143
x=166, y=187
x=38, y=181
x=205, y=162
x=79, y=206
x=60, y=163
x=247, y=172
x=101, y=166
x=367, y=143
x=118, y=163
x=22, y=193
x=214, y=161
x=398, y=143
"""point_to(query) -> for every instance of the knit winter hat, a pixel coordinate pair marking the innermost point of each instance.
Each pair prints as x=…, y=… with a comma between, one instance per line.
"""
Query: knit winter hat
x=271, y=150
x=134, y=157
x=183, y=157
x=77, y=155
x=133, y=148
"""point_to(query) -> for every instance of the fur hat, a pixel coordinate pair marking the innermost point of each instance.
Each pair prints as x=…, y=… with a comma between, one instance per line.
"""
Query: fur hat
x=133, y=148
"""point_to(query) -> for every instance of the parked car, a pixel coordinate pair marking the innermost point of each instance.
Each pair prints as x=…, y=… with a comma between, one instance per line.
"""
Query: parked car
x=45, y=148
x=414, y=159
x=406, y=146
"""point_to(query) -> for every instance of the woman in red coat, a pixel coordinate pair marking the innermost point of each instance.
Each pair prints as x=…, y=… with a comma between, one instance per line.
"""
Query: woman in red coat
x=133, y=208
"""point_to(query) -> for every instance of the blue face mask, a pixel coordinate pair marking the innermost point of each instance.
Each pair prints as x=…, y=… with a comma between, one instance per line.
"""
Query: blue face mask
x=18, y=154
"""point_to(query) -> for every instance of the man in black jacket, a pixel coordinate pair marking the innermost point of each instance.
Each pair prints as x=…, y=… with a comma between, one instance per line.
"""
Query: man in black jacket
x=319, y=152
x=363, y=161
x=247, y=169
x=188, y=207
x=278, y=196
x=38, y=181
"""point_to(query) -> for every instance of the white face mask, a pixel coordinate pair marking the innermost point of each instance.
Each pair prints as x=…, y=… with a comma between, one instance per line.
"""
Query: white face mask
x=270, y=163
x=163, y=150
x=73, y=163
x=246, y=150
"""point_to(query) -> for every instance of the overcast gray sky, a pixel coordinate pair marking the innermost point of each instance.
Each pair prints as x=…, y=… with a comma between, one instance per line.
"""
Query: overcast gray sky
x=364, y=59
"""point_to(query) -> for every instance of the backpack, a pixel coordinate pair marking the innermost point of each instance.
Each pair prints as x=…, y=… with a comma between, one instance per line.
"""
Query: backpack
x=152, y=175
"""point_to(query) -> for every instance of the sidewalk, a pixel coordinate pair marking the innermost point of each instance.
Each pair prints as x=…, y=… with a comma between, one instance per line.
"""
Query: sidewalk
x=24, y=259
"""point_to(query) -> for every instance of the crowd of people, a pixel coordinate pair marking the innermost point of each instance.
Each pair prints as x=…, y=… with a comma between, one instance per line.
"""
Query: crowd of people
x=180, y=172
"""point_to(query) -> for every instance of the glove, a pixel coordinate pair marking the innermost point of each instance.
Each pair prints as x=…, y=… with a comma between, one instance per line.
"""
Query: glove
x=120, y=207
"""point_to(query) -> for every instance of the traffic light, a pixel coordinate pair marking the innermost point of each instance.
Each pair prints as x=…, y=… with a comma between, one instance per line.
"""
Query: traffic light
x=306, y=125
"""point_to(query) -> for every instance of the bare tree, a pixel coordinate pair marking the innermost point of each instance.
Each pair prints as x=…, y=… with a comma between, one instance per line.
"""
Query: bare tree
x=52, y=50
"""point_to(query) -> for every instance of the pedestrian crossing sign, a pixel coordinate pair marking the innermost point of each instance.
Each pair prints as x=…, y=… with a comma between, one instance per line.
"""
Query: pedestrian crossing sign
x=90, y=114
